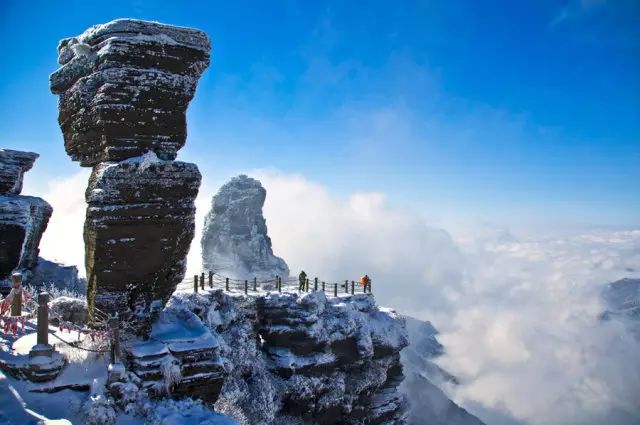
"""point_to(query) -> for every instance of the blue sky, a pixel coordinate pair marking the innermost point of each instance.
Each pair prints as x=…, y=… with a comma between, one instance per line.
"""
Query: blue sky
x=498, y=111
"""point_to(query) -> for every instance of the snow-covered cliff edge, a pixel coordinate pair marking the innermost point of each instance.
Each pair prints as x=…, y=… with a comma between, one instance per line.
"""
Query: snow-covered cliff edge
x=300, y=359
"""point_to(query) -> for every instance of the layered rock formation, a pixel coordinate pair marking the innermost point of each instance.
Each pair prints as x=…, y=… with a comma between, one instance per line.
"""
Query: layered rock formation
x=234, y=239
x=291, y=359
x=139, y=226
x=181, y=358
x=13, y=165
x=124, y=89
x=23, y=219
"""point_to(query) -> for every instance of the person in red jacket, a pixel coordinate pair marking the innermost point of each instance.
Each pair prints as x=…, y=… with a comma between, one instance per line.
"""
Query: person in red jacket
x=365, y=281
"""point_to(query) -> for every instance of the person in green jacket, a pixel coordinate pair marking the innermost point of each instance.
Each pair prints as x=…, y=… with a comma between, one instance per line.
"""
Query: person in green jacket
x=303, y=280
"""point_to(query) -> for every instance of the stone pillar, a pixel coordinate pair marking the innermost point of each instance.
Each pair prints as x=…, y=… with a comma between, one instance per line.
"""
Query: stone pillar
x=16, y=285
x=116, y=370
x=124, y=89
x=42, y=348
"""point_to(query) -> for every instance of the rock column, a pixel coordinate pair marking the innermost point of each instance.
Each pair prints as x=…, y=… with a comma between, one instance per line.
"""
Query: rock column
x=124, y=89
x=23, y=219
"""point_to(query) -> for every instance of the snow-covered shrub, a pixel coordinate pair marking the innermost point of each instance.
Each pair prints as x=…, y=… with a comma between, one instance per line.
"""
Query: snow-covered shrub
x=68, y=309
x=128, y=396
x=99, y=409
x=172, y=412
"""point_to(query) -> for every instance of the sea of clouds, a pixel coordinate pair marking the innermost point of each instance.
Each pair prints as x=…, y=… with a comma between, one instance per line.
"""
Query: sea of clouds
x=519, y=317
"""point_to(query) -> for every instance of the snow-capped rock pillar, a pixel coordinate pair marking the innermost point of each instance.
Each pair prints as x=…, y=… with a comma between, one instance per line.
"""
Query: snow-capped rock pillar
x=124, y=89
x=234, y=241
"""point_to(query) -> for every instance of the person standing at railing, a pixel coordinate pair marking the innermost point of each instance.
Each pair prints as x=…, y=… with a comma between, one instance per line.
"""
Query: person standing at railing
x=302, y=278
x=365, y=281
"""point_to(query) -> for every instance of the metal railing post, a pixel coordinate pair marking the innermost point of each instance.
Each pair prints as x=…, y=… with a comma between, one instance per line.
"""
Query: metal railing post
x=335, y=289
x=210, y=279
x=255, y=284
x=353, y=287
x=315, y=284
x=195, y=283
x=346, y=286
x=226, y=284
x=246, y=286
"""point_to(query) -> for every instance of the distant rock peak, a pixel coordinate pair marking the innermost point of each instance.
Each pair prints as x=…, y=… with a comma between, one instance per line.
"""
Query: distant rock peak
x=235, y=239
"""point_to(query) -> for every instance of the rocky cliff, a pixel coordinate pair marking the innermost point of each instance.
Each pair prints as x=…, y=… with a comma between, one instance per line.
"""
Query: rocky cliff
x=23, y=219
x=13, y=165
x=622, y=302
x=282, y=358
x=124, y=89
x=428, y=404
x=234, y=239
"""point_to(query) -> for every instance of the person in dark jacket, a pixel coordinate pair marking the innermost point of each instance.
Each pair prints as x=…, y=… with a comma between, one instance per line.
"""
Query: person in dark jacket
x=303, y=280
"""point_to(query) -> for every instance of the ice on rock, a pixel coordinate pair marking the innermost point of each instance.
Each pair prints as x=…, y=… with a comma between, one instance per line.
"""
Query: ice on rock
x=234, y=239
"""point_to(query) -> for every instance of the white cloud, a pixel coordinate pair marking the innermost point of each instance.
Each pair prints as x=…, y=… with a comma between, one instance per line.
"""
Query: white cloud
x=519, y=317
x=62, y=241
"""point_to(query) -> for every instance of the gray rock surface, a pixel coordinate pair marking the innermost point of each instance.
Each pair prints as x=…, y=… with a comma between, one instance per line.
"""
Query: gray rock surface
x=302, y=359
x=124, y=89
x=234, y=239
x=48, y=274
x=23, y=219
x=13, y=165
x=139, y=226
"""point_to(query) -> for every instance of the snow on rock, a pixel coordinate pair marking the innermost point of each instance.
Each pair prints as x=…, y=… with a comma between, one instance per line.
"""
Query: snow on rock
x=124, y=89
x=180, y=358
x=234, y=239
x=13, y=165
x=48, y=274
x=304, y=359
x=23, y=220
x=139, y=226
x=68, y=309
